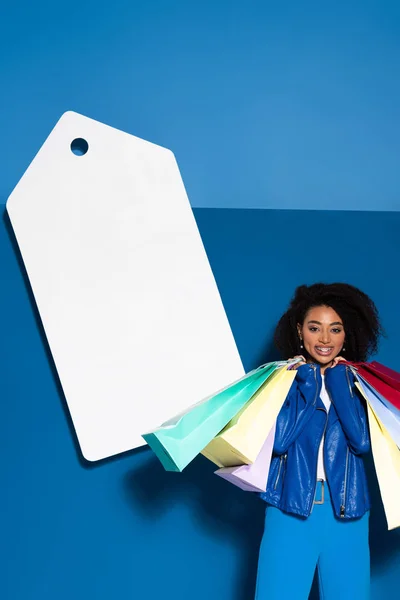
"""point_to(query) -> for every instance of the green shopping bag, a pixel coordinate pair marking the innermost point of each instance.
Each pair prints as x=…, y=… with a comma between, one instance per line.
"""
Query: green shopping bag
x=178, y=441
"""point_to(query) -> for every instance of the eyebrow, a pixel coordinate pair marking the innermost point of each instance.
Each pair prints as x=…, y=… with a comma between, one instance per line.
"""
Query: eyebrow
x=319, y=323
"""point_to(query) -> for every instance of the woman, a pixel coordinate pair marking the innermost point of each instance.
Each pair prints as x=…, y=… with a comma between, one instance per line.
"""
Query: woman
x=317, y=496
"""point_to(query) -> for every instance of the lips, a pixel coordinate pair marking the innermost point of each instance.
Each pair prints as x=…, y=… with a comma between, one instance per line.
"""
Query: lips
x=324, y=350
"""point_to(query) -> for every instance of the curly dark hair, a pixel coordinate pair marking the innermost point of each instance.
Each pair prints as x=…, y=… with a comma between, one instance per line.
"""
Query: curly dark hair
x=358, y=312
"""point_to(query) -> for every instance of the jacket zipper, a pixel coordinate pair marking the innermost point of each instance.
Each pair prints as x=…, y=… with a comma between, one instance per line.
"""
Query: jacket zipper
x=343, y=506
x=281, y=460
x=348, y=382
x=315, y=377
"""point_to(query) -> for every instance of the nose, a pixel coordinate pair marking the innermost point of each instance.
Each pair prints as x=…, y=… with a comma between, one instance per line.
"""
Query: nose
x=325, y=336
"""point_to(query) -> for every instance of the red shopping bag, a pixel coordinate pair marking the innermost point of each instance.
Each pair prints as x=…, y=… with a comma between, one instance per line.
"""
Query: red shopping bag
x=387, y=375
x=380, y=382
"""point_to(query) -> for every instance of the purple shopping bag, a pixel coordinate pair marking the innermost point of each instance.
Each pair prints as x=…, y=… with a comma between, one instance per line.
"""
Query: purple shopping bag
x=252, y=478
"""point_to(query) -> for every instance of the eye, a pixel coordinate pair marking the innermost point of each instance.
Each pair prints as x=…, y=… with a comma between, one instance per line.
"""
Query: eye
x=313, y=329
x=336, y=330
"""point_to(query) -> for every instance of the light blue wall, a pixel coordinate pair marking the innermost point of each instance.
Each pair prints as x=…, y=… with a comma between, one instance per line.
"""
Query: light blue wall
x=266, y=104
x=125, y=529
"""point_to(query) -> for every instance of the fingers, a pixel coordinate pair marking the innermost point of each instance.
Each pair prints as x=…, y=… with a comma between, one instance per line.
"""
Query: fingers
x=300, y=360
x=337, y=360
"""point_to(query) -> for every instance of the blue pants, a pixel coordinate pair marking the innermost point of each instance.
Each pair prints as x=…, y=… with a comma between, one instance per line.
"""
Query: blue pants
x=292, y=547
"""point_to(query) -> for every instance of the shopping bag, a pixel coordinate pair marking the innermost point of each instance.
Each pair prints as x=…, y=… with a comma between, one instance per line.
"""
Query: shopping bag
x=387, y=418
x=385, y=389
x=387, y=464
x=395, y=411
x=252, y=478
x=242, y=439
x=382, y=399
x=387, y=375
x=177, y=441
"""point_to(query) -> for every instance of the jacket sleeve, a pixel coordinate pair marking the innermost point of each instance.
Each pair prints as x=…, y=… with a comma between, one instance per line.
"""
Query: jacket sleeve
x=298, y=407
x=350, y=408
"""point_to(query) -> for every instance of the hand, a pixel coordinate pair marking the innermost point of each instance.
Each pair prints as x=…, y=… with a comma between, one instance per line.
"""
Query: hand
x=301, y=361
x=337, y=360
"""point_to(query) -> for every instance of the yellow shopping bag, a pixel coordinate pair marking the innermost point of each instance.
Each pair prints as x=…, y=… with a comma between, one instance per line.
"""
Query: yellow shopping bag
x=240, y=442
x=387, y=464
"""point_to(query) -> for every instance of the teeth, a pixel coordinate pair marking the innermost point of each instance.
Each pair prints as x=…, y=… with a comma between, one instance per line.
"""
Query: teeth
x=324, y=350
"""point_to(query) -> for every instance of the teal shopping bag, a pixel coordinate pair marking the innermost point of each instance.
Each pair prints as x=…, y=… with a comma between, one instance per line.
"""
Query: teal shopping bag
x=178, y=441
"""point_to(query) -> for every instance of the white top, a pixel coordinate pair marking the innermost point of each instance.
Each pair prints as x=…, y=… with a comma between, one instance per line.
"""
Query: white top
x=327, y=402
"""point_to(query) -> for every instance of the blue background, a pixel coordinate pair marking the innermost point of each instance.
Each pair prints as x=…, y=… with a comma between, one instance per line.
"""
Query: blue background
x=266, y=104
x=125, y=528
x=291, y=105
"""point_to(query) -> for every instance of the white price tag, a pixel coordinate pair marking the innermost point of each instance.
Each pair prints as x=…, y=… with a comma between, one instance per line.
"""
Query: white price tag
x=128, y=301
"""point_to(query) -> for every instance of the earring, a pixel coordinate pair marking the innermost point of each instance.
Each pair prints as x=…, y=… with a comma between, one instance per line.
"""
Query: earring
x=301, y=343
x=343, y=349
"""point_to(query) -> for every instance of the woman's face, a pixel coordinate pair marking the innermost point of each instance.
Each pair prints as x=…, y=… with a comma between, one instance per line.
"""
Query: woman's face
x=323, y=334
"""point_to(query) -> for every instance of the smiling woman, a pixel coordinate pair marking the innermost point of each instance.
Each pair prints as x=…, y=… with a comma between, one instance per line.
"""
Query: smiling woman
x=322, y=334
x=317, y=497
x=332, y=307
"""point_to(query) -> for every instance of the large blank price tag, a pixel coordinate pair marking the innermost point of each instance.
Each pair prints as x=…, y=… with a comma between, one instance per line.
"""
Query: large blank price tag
x=128, y=301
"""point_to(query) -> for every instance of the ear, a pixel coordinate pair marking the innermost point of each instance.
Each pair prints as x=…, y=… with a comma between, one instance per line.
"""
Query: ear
x=299, y=330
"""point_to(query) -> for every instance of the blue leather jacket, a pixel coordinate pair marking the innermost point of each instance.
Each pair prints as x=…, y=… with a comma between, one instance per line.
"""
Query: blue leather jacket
x=300, y=426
